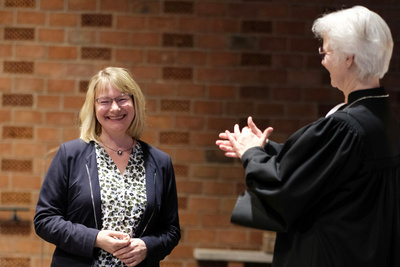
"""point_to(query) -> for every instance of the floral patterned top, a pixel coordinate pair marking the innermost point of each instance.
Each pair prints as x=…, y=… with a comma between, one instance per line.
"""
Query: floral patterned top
x=123, y=197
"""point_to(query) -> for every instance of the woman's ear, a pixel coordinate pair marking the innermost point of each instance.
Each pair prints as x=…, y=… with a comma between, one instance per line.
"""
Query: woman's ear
x=349, y=61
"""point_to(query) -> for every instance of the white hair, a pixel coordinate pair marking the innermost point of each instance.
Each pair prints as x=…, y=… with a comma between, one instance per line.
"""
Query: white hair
x=360, y=32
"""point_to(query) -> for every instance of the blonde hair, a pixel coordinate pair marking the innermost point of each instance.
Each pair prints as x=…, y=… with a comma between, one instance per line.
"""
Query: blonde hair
x=360, y=32
x=121, y=79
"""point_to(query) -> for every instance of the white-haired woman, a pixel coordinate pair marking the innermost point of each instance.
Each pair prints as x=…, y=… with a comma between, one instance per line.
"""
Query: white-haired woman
x=332, y=190
x=108, y=198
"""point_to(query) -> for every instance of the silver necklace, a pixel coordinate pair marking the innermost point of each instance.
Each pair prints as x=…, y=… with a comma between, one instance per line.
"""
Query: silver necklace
x=367, y=97
x=119, y=151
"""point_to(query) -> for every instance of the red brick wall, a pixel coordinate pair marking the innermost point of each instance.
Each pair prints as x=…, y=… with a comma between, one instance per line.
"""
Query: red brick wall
x=203, y=66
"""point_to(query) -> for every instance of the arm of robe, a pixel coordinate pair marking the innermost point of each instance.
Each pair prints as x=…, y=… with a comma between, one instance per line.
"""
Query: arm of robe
x=314, y=161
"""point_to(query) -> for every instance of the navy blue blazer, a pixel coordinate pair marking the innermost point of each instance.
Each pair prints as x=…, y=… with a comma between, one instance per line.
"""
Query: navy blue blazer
x=68, y=212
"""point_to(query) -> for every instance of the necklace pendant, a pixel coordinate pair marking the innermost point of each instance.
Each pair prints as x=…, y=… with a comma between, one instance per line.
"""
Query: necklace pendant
x=119, y=153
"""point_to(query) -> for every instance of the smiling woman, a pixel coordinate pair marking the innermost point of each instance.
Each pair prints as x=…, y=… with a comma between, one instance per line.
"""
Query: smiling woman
x=101, y=203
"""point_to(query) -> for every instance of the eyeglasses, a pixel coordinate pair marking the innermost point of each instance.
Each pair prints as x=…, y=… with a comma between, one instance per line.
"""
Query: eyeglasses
x=321, y=52
x=121, y=100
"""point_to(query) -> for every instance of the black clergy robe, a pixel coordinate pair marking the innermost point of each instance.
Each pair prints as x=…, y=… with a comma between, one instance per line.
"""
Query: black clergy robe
x=332, y=191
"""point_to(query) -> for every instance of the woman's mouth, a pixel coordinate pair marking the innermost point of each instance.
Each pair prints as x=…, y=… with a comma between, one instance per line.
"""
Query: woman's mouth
x=116, y=117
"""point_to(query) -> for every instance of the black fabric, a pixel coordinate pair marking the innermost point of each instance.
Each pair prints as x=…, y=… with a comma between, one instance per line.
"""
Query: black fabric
x=332, y=191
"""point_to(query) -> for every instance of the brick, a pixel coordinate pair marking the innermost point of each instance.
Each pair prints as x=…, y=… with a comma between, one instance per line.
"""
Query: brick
x=231, y=237
x=6, y=17
x=177, y=40
x=5, y=115
x=82, y=37
x=63, y=52
x=96, y=53
x=195, y=155
x=174, y=138
x=213, y=41
x=80, y=70
x=304, y=77
x=96, y=20
x=203, y=139
x=33, y=18
x=216, y=220
x=254, y=59
x=174, y=73
x=193, y=25
x=224, y=59
x=211, y=9
x=239, y=108
x=192, y=91
x=114, y=5
x=19, y=34
x=47, y=134
x=175, y=105
x=255, y=92
x=52, y=4
x=31, y=51
x=255, y=26
x=287, y=93
x=61, y=118
x=15, y=132
x=22, y=100
x=162, y=23
x=204, y=171
x=188, y=218
x=48, y=102
x=203, y=204
x=26, y=84
x=201, y=236
x=209, y=107
x=24, y=67
x=178, y=7
x=190, y=123
x=159, y=122
x=4, y=183
x=14, y=165
x=189, y=187
x=51, y=69
x=293, y=28
x=20, y=3
x=219, y=188
x=224, y=26
x=9, y=261
x=182, y=203
x=302, y=110
x=61, y=86
x=131, y=23
x=145, y=39
x=141, y=73
x=222, y=92
x=130, y=55
x=114, y=38
x=74, y=102
x=26, y=182
x=288, y=61
x=63, y=19
x=70, y=133
x=181, y=170
x=81, y=5
x=5, y=50
x=243, y=42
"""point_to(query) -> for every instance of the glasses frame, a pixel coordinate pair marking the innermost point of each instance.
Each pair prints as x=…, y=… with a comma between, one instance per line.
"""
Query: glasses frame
x=116, y=99
x=321, y=52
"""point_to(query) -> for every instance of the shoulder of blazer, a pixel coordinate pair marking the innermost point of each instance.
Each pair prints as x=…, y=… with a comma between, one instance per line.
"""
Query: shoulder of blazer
x=78, y=148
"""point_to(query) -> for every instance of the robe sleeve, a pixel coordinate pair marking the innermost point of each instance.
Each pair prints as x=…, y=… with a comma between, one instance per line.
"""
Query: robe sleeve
x=314, y=162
